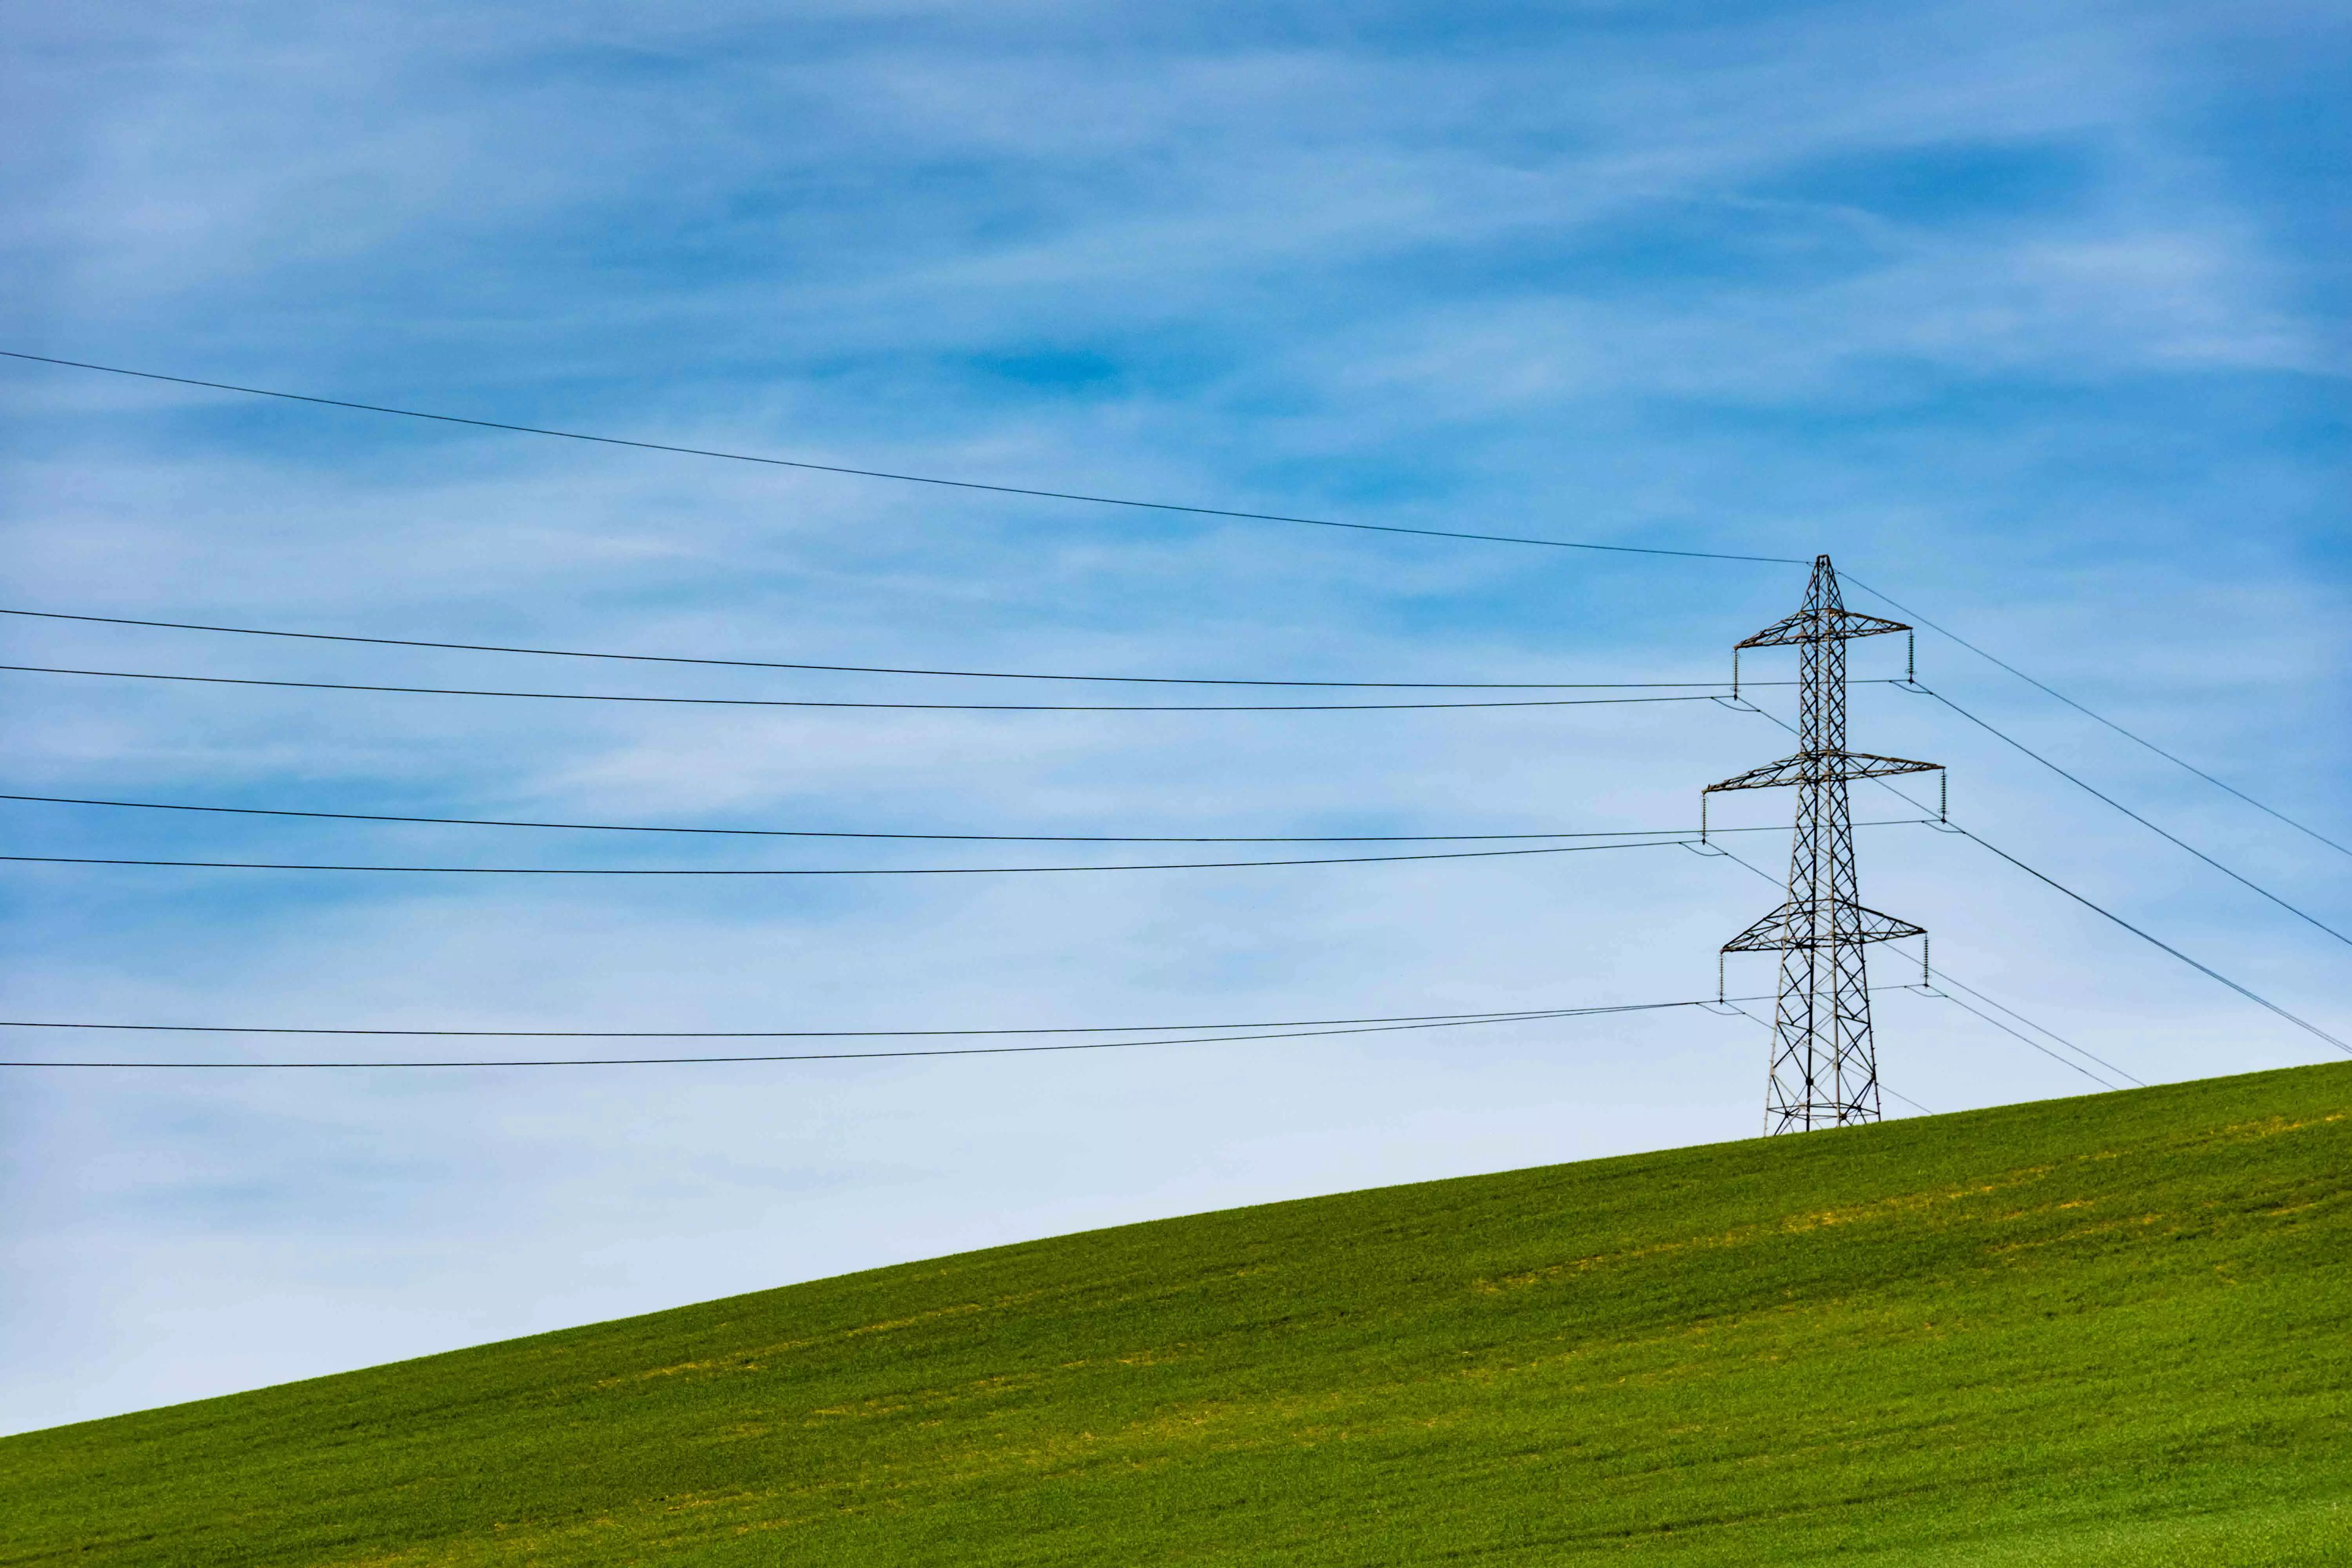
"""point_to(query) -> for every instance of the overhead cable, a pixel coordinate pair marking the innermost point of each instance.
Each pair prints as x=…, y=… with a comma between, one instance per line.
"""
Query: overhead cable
x=870, y=1055
x=1890, y=1093
x=897, y=669
x=2110, y=723
x=1948, y=826
x=882, y=474
x=828, y=871
x=899, y=706
x=926, y=837
x=2243, y=882
x=2206, y=970
x=2006, y=1030
x=1499, y=1014
x=1944, y=977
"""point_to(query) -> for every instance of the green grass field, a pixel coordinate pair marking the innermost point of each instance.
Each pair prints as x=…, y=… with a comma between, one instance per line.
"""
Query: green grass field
x=2107, y=1331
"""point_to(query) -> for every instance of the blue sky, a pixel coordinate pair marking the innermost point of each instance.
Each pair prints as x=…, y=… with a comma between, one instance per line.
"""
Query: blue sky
x=2035, y=317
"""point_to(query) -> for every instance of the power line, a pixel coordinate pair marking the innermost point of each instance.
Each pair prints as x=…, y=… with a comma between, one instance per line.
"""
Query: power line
x=2202, y=969
x=900, y=706
x=1689, y=840
x=824, y=871
x=881, y=474
x=2037, y=1045
x=1945, y=978
x=2170, y=838
x=782, y=1034
x=2118, y=728
x=871, y=1056
x=894, y=669
x=927, y=837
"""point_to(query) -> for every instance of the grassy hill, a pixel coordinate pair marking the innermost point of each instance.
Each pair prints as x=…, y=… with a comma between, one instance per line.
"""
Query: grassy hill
x=2109, y=1330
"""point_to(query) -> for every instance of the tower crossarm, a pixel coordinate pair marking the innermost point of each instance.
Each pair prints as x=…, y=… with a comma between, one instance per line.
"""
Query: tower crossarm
x=1821, y=623
x=1793, y=926
x=1822, y=767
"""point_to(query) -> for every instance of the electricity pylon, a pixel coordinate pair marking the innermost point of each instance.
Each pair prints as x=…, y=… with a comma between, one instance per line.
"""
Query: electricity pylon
x=1824, y=1068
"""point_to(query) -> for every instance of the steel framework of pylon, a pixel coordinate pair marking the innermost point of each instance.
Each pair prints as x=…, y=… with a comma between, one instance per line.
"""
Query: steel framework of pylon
x=1824, y=1068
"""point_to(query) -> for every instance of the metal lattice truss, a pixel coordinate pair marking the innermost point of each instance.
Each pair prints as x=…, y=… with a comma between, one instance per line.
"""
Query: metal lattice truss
x=1816, y=621
x=1795, y=925
x=1824, y=1068
x=1822, y=767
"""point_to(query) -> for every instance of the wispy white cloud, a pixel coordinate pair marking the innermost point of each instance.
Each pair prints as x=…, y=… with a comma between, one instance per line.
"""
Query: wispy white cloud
x=1599, y=276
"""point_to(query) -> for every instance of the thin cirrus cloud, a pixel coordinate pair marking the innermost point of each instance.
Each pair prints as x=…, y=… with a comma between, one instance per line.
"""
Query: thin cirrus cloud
x=2010, y=311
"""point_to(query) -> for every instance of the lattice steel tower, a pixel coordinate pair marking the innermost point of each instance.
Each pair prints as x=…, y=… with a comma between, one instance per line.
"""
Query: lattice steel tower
x=1824, y=1068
